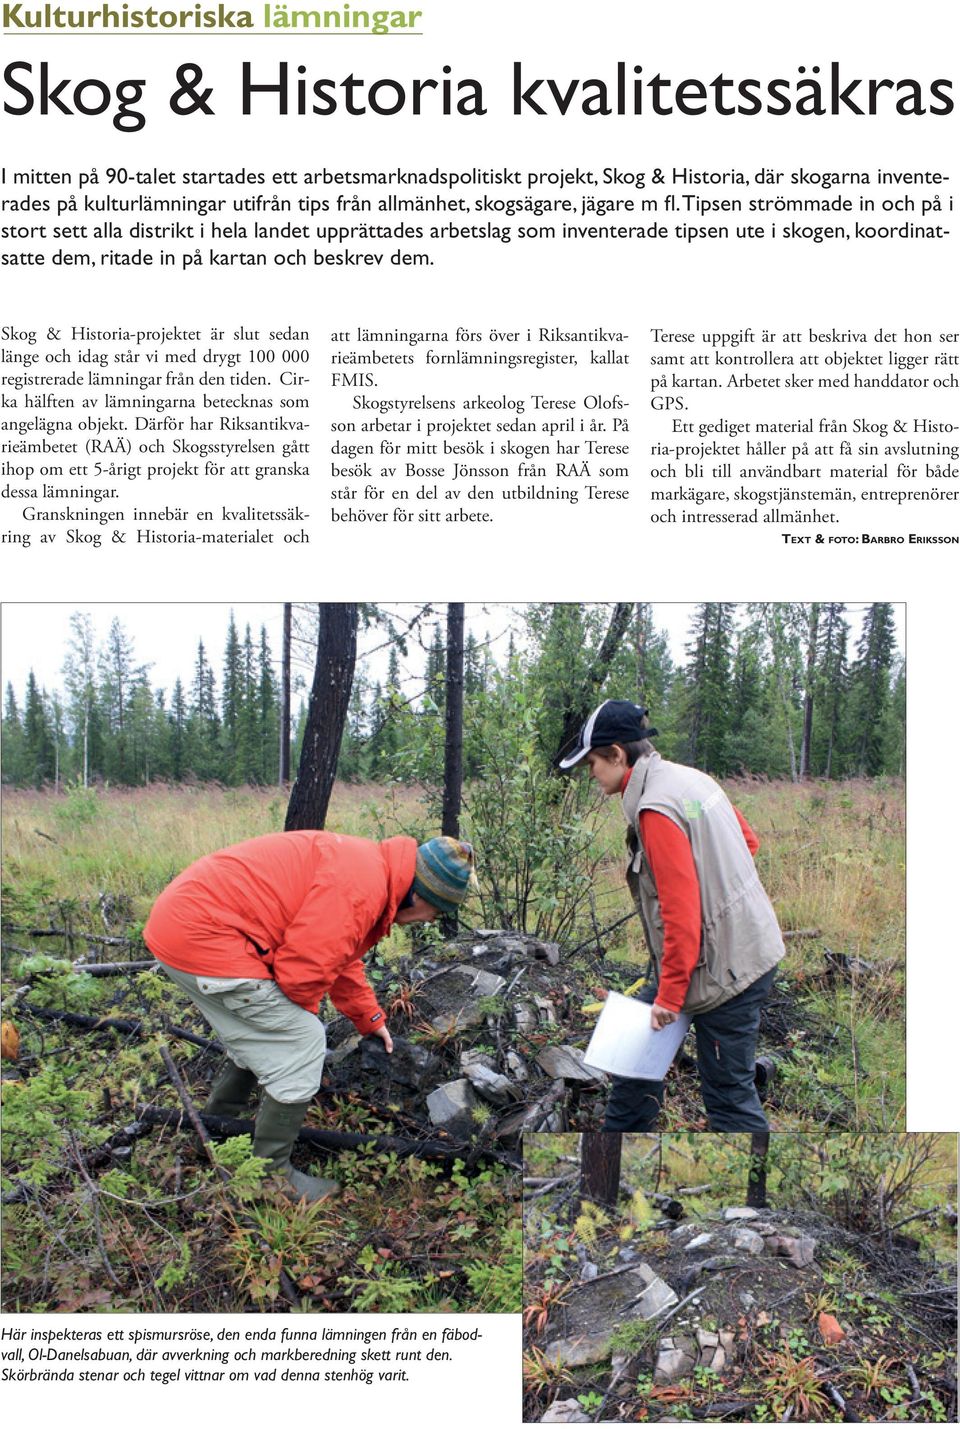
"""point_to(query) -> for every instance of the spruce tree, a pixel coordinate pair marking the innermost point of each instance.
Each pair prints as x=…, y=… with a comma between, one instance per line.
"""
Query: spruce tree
x=178, y=732
x=203, y=724
x=833, y=680
x=436, y=671
x=40, y=756
x=246, y=754
x=870, y=686
x=231, y=697
x=15, y=762
x=117, y=675
x=268, y=713
x=707, y=681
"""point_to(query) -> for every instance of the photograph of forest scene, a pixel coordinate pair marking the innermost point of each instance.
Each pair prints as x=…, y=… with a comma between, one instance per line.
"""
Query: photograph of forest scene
x=680, y=1277
x=127, y=756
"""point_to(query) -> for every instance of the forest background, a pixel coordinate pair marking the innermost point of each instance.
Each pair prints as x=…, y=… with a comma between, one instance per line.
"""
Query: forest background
x=778, y=690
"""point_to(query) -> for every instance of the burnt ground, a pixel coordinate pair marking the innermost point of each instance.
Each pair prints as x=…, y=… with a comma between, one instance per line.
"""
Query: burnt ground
x=505, y=1002
x=538, y=1006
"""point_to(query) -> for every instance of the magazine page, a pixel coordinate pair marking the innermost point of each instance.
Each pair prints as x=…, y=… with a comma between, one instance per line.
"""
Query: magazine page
x=360, y=370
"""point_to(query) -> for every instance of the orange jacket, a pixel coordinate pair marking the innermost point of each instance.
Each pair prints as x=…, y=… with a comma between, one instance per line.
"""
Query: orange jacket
x=301, y=908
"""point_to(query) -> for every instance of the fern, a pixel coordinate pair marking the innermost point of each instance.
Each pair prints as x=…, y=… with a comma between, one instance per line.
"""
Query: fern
x=591, y=1220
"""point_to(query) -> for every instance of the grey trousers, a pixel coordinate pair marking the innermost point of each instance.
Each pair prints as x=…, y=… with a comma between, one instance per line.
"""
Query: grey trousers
x=262, y=1030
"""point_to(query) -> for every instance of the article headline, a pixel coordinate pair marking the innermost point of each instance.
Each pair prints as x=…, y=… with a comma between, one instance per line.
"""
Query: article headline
x=285, y=89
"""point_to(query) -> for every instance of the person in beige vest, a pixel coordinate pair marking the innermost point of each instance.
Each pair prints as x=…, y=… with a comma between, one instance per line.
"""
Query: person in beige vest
x=711, y=930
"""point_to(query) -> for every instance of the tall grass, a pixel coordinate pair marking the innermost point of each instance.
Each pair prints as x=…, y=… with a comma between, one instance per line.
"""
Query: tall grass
x=76, y=845
x=831, y=856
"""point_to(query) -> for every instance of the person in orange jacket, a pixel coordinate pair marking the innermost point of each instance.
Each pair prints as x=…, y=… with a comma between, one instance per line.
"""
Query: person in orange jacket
x=259, y=933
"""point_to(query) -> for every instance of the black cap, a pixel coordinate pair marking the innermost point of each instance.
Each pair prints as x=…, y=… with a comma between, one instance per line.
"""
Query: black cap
x=613, y=722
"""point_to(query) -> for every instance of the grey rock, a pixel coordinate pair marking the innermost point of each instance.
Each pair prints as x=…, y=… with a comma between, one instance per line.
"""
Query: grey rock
x=685, y=1232
x=493, y=1087
x=568, y=1063
x=749, y=1241
x=547, y=952
x=799, y=1250
x=740, y=1213
x=626, y=1255
x=472, y=1057
x=407, y=1064
x=699, y=1242
x=547, y=1011
x=345, y=1049
x=588, y=1271
x=517, y=1067
x=658, y=1296
x=763, y=1228
x=565, y=1411
x=593, y=1312
x=579, y=1350
x=707, y=1340
x=525, y=1016
x=453, y=997
x=803, y=1252
x=676, y=1359
x=451, y=1107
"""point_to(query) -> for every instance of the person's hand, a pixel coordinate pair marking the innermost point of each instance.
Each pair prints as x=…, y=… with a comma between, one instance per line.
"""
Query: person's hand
x=384, y=1034
x=661, y=1017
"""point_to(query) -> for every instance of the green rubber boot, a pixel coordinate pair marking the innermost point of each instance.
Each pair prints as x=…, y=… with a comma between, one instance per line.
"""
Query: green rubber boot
x=231, y=1092
x=277, y=1128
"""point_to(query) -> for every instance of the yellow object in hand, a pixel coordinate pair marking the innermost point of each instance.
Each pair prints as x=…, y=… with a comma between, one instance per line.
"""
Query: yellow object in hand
x=595, y=1008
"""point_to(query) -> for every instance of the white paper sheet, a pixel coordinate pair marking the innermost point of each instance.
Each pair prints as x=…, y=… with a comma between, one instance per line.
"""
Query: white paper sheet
x=625, y=1045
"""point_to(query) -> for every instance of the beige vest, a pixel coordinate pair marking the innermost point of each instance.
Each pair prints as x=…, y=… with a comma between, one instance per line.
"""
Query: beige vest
x=740, y=938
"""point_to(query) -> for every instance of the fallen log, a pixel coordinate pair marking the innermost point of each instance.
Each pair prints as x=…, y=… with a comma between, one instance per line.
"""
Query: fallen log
x=103, y=939
x=113, y=969
x=132, y=1026
x=430, y=1150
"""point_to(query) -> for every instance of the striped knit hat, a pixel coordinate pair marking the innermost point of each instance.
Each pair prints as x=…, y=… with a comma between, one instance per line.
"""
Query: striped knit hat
x=444, y=875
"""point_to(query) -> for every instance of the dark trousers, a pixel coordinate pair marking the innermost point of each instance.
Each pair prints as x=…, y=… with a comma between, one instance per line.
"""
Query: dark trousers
x=726, y=1056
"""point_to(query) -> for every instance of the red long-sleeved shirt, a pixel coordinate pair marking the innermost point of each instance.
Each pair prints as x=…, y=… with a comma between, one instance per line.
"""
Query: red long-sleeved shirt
x=671, y=862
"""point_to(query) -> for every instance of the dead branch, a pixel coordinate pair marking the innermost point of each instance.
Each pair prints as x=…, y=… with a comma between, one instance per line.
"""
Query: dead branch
x=429, y=1150
x=550, y=1185
x=132, y=1026
x=602, y=934
x=538, y=1187
x=919, y=1216
x=285, y=1283
x=541, y=1109
x=94, y=1206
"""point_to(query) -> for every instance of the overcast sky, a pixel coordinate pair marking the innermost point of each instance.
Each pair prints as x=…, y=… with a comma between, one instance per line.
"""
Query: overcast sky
x=34, y=636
